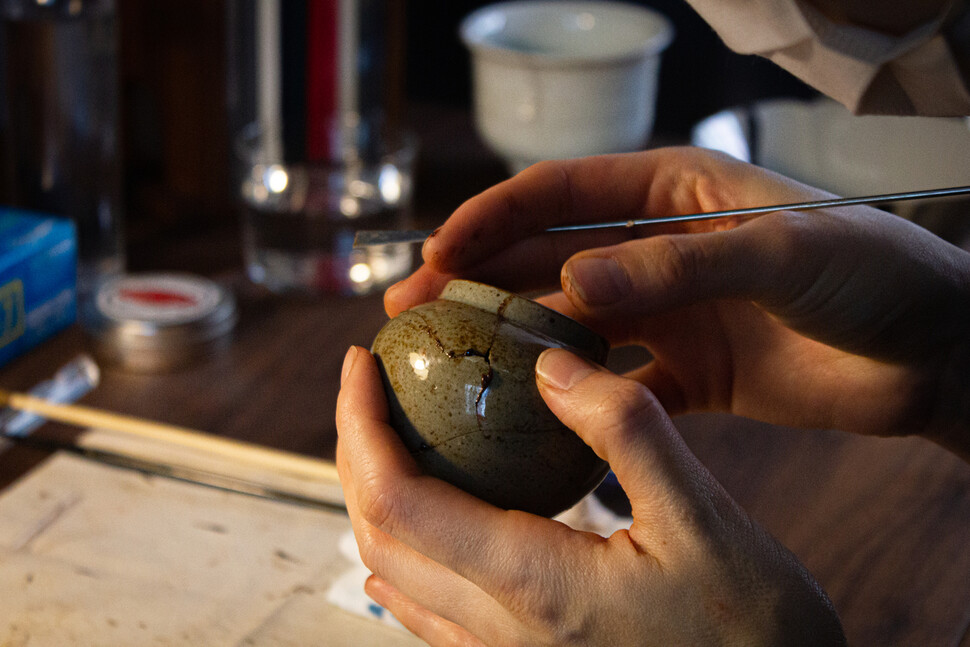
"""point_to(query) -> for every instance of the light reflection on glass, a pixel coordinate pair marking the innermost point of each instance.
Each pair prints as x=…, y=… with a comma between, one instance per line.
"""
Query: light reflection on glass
x=380, y=267
x=360, y=273
x=349, y=206
x=360, y=189
x=389, y=182
x=276, y=178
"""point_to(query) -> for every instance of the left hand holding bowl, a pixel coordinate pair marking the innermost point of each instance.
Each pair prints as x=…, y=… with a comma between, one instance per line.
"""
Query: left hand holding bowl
x=693, y=568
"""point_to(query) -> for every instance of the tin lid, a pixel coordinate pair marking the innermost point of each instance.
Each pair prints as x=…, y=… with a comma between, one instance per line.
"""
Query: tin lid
x=159, y=321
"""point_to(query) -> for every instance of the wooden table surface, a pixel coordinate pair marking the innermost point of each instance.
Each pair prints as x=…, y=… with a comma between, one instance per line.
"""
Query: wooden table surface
x=883, y=524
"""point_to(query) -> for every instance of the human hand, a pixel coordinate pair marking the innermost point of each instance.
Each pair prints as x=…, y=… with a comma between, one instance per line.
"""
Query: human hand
x=846, y=318
x=692, y=569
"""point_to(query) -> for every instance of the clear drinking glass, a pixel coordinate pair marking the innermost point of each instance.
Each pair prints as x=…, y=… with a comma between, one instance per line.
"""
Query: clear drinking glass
x=59, y=125
x=315, y=104
x=299, y=218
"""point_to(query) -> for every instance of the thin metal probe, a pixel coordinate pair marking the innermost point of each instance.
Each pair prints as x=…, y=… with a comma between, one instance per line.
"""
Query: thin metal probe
x=370, y=238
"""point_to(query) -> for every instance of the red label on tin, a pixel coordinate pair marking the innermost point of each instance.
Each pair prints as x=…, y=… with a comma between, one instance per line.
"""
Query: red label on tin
x=157, y=297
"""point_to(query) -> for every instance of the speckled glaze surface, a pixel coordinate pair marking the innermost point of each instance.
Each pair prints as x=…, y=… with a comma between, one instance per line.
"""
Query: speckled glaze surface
x=459, y=373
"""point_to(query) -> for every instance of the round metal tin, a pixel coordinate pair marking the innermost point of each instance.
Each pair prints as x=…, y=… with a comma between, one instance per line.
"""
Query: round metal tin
x=161, y=321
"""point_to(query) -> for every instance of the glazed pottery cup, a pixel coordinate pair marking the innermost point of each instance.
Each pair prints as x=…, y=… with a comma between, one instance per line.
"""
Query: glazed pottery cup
x=555, y=79
x=459, y=374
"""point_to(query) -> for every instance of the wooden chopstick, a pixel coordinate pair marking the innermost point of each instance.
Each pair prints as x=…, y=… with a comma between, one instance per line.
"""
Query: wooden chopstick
x=288, y=463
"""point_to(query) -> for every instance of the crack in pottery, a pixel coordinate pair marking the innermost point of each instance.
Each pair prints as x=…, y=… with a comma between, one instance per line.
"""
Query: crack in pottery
x=453, y=355
x=487, y=376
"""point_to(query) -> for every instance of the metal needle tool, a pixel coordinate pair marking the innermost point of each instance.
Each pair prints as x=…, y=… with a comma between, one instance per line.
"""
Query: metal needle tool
x=370, y=238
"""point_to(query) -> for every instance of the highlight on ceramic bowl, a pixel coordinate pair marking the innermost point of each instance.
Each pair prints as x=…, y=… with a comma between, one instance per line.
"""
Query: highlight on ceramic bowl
x=564, y=79
x=459, y=373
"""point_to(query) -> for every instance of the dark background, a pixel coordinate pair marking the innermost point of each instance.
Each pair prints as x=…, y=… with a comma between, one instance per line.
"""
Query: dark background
x=175, y=125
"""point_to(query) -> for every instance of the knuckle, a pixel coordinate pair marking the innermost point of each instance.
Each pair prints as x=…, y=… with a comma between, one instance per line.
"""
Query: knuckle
x=704, y=187
x=521, y=578
x=529, y=585
x=793, y=236
x=625, y=407
x=555, y=173
x=791, y=231
x=561, y=623
x=565, y=188
x=512, y=206
x=380, y=503
x=539, y=591
x=678, y=261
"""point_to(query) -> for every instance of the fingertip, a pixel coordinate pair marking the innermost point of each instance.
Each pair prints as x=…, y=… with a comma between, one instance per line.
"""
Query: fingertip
x=377, y=589
x=562, y=370
x=422, y=622
x=445, y=249
x=394, y=299
x=422, y=286
x=361, y=396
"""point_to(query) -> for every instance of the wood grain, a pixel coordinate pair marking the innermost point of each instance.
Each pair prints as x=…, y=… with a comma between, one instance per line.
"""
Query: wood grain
x=882, y=523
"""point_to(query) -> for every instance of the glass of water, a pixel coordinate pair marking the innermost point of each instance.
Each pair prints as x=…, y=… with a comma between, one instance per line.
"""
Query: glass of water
x=59, y=121
x=299, y=218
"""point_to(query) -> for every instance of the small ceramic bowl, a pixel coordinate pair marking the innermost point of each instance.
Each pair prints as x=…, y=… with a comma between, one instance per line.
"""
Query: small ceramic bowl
x=459, y=374
x=553, y=79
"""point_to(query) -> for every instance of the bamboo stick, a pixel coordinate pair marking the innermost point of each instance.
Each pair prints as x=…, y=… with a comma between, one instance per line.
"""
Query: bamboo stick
x=294, y=465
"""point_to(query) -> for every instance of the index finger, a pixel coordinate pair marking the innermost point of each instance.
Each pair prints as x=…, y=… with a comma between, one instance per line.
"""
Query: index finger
x=542, y=196
x=494, y=235
x=510, y=218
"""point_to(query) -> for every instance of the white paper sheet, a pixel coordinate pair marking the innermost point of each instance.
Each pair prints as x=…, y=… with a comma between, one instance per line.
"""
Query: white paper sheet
x=98, y=555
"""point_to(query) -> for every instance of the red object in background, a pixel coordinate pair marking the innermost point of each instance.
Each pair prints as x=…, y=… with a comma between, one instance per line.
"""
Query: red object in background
x=321, y=75
x=157, y=297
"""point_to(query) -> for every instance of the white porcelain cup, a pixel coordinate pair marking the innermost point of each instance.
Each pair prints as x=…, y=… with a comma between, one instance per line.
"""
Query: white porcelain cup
x=559, y=79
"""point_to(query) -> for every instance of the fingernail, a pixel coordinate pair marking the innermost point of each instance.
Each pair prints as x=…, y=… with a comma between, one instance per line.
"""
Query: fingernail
x=597, y=280
x=348, y=363
x=561, y=369
x=424, y=245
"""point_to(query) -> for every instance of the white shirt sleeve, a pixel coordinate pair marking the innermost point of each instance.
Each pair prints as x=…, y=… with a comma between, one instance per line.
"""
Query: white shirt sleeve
x=925, y=72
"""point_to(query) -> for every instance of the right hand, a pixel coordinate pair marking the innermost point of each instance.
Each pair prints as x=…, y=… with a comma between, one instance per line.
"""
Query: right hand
x=847, y=318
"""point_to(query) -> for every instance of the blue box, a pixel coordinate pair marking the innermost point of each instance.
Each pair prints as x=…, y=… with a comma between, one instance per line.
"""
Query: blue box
x=38, y=279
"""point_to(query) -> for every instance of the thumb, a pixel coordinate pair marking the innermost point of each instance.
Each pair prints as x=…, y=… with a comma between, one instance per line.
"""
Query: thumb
x=625, y=425
x=661, y=273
